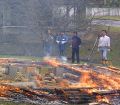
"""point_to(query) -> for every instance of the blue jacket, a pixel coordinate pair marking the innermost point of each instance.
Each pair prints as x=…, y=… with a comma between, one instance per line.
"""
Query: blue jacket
x=61, y=39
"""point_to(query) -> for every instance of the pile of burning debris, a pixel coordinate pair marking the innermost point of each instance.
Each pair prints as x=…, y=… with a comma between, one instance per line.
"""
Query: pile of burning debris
x=52, y=82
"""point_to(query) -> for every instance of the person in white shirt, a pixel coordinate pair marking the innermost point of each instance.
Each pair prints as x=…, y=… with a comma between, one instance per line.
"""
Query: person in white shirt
x=104, y=46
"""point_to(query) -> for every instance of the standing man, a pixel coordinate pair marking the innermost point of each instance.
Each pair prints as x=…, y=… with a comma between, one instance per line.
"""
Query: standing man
x=104, y=46
x=76, y=42
x=61, y=40
x=48, y=44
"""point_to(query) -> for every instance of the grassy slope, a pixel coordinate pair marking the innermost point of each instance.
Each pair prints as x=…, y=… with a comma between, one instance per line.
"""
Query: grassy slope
x=114, y=32
x=89, y=39
x=114, y=54
x=87, y=43
x=116, y=18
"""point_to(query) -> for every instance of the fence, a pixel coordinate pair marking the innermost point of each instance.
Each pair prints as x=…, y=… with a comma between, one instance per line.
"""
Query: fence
x=103, y=11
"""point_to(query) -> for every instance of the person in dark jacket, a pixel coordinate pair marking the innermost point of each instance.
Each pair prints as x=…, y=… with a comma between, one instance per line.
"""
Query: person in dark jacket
x=76, y=42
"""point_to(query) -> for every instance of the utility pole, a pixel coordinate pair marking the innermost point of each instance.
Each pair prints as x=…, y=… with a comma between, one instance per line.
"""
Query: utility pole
x=105, y=2
x=75, y=16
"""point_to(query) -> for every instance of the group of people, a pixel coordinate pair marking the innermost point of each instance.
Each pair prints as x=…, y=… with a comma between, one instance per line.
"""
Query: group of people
x=61, y=40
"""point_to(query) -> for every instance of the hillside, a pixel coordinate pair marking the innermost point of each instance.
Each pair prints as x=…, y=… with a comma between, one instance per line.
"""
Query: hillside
x=89, y=39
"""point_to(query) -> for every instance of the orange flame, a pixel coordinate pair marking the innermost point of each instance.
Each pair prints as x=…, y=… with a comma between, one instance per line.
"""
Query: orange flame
x=4, y=89
x=103, y=99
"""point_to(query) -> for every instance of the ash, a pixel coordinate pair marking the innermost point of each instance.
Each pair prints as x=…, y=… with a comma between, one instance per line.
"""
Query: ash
x=20, y=98
x=115, y=100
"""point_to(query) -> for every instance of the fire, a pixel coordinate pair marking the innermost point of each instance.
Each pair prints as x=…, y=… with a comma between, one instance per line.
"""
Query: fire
x=52, y=61
x=108, y=82
x=111, y=68
x=6, y=60
x=85, y=81
x=103, y=99
x=90, y=78
x=5, y=88
x=86, y=78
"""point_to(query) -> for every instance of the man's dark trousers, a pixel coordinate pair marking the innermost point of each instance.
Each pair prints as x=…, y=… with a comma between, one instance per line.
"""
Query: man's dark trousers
x=75, y=53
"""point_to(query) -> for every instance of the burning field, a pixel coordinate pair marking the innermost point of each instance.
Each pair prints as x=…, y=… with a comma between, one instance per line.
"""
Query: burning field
x=52, y=82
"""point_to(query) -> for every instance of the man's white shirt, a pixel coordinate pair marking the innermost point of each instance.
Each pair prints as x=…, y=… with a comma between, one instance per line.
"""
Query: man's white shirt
x=104, y=41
